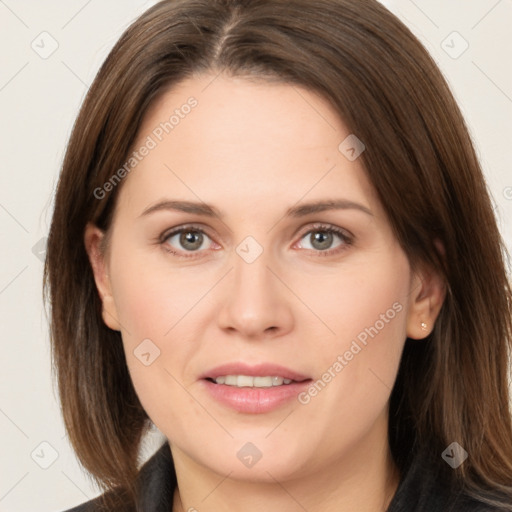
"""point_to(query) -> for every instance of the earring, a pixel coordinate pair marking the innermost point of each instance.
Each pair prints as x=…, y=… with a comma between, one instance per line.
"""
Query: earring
x=424, y=326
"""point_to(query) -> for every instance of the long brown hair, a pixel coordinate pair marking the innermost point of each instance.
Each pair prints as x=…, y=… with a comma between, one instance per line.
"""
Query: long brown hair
x=419, y=157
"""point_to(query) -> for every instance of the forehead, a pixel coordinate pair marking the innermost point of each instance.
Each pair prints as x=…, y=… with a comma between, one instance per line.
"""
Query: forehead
x=258, y=142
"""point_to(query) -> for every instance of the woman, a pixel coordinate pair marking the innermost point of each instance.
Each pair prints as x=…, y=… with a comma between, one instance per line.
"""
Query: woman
x=272, y=239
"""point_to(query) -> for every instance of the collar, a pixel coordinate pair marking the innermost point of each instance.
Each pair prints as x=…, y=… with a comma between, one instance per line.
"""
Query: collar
x=425, y=486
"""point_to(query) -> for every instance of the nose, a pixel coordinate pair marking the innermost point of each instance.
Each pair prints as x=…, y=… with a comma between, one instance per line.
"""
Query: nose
x=255, y=304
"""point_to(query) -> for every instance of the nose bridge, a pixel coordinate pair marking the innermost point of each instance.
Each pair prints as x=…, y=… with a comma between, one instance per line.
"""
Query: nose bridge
x=251, y=275
x=252, y=285
x=251, y=258
x=254, y=303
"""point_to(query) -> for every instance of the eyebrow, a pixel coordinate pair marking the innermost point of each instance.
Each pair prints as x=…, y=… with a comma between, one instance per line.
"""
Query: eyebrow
x=204, y=209
x=321, y=206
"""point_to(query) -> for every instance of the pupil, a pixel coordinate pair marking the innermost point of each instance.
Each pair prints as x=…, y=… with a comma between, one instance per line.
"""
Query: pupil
x=322, y=240
x=187, y=240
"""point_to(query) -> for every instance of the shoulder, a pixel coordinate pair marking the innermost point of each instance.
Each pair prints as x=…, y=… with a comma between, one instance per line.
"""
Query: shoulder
x=89, y=506
x=466, y=503
x=426, y=486
x=156, y=481
x=93, y=505
x=99, y=504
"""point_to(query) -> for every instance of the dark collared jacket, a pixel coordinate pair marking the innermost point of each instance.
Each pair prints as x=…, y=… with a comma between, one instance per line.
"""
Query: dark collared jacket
x=420, y=489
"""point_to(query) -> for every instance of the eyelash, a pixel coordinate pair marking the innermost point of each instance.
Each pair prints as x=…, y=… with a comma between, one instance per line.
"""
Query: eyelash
x=345, y=237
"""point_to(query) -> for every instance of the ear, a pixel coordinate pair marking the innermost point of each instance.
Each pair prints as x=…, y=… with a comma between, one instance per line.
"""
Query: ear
x=94, y=245
x=426, y=298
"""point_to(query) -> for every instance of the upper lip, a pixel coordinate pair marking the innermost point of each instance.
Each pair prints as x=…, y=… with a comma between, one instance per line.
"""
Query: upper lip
x=258, y=370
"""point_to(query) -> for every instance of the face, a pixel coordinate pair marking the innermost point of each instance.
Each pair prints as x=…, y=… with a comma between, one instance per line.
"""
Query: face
x=261, y=295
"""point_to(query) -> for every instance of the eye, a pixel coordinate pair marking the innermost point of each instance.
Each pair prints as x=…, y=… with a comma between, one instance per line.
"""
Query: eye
x=321, y=239
x=192, y=240
x=185, y=239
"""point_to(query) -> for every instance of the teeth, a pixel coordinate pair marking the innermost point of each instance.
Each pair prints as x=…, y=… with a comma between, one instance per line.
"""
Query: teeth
x=242, y=381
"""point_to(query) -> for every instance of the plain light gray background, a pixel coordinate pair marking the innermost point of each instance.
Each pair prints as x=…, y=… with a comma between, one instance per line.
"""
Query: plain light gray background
x=39, y=98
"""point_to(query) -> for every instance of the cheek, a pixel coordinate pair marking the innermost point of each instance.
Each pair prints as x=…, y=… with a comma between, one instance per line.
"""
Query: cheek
x=158, y=310
x=151, y=298
x=367, y=310
x=366, y=301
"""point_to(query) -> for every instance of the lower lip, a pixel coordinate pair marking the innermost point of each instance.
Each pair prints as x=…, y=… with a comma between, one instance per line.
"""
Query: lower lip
x=255, y=400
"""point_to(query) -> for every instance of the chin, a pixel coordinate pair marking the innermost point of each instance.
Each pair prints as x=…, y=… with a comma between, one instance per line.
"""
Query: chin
x=256, y=459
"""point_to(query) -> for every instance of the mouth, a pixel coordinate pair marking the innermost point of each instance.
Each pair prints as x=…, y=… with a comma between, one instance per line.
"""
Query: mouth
x=254, y=389
x=247, y=381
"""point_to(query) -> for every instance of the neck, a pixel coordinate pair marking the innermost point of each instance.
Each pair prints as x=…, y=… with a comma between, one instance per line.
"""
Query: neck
x=365, y=479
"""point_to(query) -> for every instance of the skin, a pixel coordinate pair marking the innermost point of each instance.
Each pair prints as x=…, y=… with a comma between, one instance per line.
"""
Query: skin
x=253, y=149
